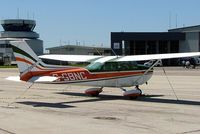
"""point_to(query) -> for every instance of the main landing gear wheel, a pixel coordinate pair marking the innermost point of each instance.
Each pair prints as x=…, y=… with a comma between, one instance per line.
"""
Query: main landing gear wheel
x=137, y=88
x=94, y=92
x=133, y=94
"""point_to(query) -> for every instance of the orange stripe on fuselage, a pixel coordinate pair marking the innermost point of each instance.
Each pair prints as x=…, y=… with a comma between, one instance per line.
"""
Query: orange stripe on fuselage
x=29, y=75
x=71, y=75
x=98, y=74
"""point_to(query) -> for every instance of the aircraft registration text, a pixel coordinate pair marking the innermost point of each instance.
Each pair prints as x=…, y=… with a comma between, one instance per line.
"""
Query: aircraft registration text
x=71, y=76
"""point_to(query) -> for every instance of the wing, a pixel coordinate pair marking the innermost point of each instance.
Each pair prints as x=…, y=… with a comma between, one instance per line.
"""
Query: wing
x=157, y=56
x=71, y=58
x=92, y=58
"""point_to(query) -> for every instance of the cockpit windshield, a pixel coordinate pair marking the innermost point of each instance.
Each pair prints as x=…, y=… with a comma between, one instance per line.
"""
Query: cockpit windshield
x=115, y=66
x=94, y=67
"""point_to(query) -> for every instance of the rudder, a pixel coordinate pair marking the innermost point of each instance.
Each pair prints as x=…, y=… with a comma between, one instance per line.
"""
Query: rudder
x=27, y=60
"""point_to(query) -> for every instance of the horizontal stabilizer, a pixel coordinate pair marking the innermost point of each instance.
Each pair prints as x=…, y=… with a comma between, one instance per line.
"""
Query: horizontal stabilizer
x=42, y=79
x=13, y=78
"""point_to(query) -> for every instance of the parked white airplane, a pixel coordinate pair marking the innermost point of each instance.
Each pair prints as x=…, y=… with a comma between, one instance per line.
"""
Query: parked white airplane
x=103, y=71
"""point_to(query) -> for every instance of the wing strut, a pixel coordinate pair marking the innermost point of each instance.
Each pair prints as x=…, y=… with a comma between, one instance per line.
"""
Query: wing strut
x=170, y=83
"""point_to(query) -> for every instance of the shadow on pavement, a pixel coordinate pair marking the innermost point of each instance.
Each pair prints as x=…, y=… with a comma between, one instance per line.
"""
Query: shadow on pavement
x=102, y=97
x=145, y=98
x=45, y=104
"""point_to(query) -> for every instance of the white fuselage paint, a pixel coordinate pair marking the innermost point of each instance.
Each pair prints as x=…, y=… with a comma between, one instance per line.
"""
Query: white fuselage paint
x=113, y=82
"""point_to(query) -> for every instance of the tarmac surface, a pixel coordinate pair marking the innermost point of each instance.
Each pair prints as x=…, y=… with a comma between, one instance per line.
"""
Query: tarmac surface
x=61, y=109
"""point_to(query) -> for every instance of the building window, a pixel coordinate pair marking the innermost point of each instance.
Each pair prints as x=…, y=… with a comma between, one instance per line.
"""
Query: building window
x=116, y=45
x=5, y=46
x=71, y=49
x=163, y=47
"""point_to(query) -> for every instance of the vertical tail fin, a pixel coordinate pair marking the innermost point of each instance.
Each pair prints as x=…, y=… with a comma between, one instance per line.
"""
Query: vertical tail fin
x=27, y=60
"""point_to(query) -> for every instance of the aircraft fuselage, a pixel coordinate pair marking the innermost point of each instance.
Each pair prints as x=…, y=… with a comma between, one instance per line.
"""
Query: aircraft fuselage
x=82, y=76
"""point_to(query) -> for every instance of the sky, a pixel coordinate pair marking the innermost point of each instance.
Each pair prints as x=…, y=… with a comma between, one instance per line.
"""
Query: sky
x=90, y=22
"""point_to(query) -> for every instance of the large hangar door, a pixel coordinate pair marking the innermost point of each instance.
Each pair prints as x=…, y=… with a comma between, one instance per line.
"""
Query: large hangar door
x=174, y=48
x=199, y=42
x=140, y=48
x=151, y=47
x=137, y=47
x=163, y=47
x=132, y=48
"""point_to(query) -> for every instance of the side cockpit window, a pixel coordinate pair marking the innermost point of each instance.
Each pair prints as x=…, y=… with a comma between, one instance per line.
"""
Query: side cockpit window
x=110, y=66
x=114, y=66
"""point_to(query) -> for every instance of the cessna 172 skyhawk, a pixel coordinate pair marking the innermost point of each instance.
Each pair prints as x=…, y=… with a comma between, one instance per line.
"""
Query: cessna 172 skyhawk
x=103, y=71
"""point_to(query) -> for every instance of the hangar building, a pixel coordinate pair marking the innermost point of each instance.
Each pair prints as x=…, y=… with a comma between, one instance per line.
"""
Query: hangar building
x=186, y=39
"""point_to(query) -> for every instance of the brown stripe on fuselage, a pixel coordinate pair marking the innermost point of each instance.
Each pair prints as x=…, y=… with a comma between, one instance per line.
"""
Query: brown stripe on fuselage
x=23, y=60
x=71, y=75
